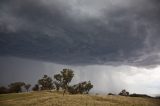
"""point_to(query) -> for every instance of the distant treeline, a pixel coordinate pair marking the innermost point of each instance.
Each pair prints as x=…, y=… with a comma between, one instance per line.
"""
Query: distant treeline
x=60, y=81
x=126, y=93
x=15, y=87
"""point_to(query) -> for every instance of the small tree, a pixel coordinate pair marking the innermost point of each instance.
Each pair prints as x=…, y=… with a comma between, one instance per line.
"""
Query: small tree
x=67, y=75
x=58, y=82
x=46, y=83
x=82, y=88
x=124, y=93
x=16, y=87
x=63, y=79
x=88, y=87
x=27, y=86
x=36, y=87
x=57, y=85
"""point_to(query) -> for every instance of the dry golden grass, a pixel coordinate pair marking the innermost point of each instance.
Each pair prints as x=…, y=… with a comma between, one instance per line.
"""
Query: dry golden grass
x=44, y=98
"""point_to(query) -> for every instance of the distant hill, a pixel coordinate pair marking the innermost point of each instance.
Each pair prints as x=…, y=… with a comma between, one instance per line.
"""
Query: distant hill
x=157, y=97
x=140, y=95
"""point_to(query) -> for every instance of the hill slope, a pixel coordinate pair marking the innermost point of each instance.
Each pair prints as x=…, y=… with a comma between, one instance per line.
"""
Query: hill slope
x=45, y=98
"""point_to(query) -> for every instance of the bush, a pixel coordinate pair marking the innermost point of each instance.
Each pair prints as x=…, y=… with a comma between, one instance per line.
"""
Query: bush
x=82, y=88
x=111, y=94
x=36, y=87
x=3, y=90
x=124, y=93
x=46, y=83
x=16, y=87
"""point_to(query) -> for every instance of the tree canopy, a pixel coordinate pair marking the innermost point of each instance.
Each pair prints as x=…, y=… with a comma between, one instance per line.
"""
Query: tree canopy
x=82, y=88
x=46, y=83
x=124, y=93
x=16, y=87
x=27, y=86
x=63, y=79
x=36, y=87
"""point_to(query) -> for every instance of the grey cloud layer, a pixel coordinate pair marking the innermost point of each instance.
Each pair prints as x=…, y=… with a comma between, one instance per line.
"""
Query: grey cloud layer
x=81, y=32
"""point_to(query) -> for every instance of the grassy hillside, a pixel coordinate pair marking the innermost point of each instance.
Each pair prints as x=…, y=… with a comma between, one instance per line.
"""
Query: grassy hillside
x=45, y=98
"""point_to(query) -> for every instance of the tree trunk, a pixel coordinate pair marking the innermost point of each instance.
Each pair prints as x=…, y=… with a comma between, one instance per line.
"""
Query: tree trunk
x=64, y=92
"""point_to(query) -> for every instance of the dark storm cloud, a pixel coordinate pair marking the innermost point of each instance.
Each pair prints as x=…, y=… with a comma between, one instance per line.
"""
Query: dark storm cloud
x=15, y=69
x=59, y=31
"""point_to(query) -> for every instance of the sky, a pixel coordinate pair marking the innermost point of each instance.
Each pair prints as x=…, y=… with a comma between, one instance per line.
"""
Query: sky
x=113, y=43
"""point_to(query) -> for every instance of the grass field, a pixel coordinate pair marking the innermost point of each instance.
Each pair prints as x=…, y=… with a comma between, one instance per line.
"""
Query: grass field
x=44, y=98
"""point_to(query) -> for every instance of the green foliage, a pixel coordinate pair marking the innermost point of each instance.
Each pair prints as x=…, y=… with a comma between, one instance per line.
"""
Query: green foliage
x=82, y=88
x=124, y=93
x=58, y=82
x=58, y=77
x=36, y=87
x=88, y=86
x=16, y=87
x=57, y=85
x=63, y=79
x=67, y=75
x=27, y=86
x=46, y=83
